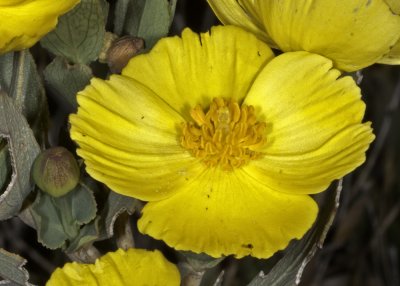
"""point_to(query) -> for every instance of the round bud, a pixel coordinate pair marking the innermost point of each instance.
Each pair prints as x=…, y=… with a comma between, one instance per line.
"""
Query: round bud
x=56, y=171
x=122, y=50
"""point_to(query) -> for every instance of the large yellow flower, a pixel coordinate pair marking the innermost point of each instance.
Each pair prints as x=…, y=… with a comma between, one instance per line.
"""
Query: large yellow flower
x=24, y=22
x=353, y=33
x=132, y=267
x=224, y=140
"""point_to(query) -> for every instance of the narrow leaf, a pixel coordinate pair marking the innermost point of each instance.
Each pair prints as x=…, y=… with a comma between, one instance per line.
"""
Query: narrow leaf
x=12, y=269
x=5, y=166
x=220, y=279
x=121, y=13
x=20, y=80
x=23, y=150
x=147, y=19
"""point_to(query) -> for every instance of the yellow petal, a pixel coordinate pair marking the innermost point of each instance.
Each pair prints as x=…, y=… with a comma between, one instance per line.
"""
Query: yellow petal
x=230, y=12
x=394, y=5
x=24, y=22
x=129, y=139
x=393, y=57
x=132, y=267
x=225, y=213
x=314, y=133
x=196, y=68
x=353, y=33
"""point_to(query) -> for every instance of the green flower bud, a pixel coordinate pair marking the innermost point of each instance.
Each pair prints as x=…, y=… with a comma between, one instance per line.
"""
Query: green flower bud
x=56, y=171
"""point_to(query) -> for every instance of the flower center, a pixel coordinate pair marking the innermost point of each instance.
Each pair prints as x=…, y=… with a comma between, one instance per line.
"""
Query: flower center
x=227, y=135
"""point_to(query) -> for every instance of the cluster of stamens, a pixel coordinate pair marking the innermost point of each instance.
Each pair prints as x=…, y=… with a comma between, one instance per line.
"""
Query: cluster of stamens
x=227, y=135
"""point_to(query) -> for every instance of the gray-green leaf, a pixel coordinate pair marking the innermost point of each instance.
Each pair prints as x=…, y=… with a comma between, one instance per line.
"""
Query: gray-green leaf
x=115, y=205
x=5, y=165
x=66, y=79
x=23, y=150
x=20, y=80
x=59, y=220
x=147, y=19
x=12, y=269
x=79, y=34
x=103, y=226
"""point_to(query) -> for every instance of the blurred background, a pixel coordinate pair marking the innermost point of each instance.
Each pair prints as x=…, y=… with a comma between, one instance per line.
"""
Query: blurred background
x=362, y=247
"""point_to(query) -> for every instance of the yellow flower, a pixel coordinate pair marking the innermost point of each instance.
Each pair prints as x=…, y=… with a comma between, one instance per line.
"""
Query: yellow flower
x=24, y=22
x=132, y=267
x=353, y=33
x=224, y=140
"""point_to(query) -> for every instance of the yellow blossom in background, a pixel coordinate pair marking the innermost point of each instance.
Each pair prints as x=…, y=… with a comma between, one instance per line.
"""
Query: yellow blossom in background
x=353, y=33
x=225, y=141
x=25, y=22
x=132, y=267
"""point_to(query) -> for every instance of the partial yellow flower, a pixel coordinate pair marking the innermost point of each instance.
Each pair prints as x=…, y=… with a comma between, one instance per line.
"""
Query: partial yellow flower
x=132, y=267
x=25, y=22
x=393, y=57
x=225, y=141
x=353, y=33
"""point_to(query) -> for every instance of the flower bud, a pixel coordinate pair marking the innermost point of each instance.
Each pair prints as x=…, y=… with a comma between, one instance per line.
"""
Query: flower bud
x=122, y=50
x=56, y=171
